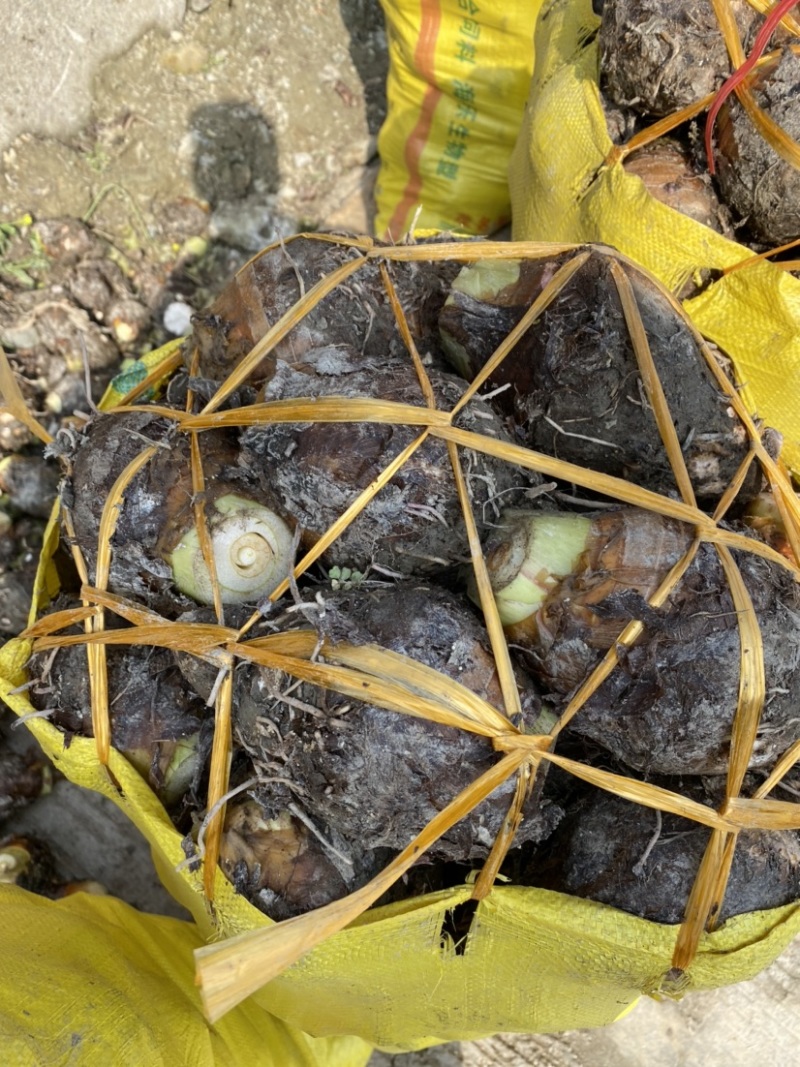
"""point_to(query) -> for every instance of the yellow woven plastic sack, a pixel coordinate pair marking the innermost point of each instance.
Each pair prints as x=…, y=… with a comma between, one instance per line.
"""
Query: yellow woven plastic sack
x=562, y=191
x=89, y=980
x=458, y=78
x=534, y=960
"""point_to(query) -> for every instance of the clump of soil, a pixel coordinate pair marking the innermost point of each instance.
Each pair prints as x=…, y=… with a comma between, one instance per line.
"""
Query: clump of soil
x=72, y=307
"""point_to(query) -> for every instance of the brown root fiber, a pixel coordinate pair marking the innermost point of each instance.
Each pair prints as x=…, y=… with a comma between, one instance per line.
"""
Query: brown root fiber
x=574, y=385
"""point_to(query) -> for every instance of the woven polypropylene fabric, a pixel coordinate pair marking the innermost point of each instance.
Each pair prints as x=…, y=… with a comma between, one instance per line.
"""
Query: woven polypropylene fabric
x=561, y=191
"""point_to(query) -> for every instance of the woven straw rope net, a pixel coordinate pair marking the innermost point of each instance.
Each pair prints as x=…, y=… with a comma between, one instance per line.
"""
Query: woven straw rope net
x=230, y=971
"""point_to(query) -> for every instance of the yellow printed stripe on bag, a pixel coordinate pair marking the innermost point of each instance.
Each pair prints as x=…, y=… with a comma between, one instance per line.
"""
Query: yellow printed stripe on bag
x=457, y=85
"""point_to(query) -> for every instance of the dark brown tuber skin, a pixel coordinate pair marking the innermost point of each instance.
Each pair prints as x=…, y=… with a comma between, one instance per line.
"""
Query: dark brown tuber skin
x=668, y=707
x=669, y=175
x=672, y=177
x=619, y=853
x=155, y=718
x=415, y=525
x=575, y=389
x=356, y=318
x=658, y=56
x=377, y=777
x=762, y=189
x=622, y=557
x=158, y=509
x=277, y=862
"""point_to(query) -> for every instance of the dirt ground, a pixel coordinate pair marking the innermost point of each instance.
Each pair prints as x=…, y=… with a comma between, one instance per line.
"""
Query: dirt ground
x=266, y=120
x=175, y=141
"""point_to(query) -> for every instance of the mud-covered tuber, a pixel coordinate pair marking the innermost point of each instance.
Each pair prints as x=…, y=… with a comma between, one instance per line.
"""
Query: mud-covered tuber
x=156, y=720
x=333, y=766
x=356, y=318
x=762, y=189
x=415, y=524
x=669, y=706
x=574, y=387
x=645, y=862
x=378, y=776
x=156, y=546
x=658, y=56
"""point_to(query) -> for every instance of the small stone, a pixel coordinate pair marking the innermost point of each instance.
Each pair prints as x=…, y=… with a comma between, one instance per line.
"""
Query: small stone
x=188, y=58
x=178, y=318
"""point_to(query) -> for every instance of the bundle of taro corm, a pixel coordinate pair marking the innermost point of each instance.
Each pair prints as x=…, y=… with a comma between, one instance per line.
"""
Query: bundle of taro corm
x=300, y=521
x=663, y=60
